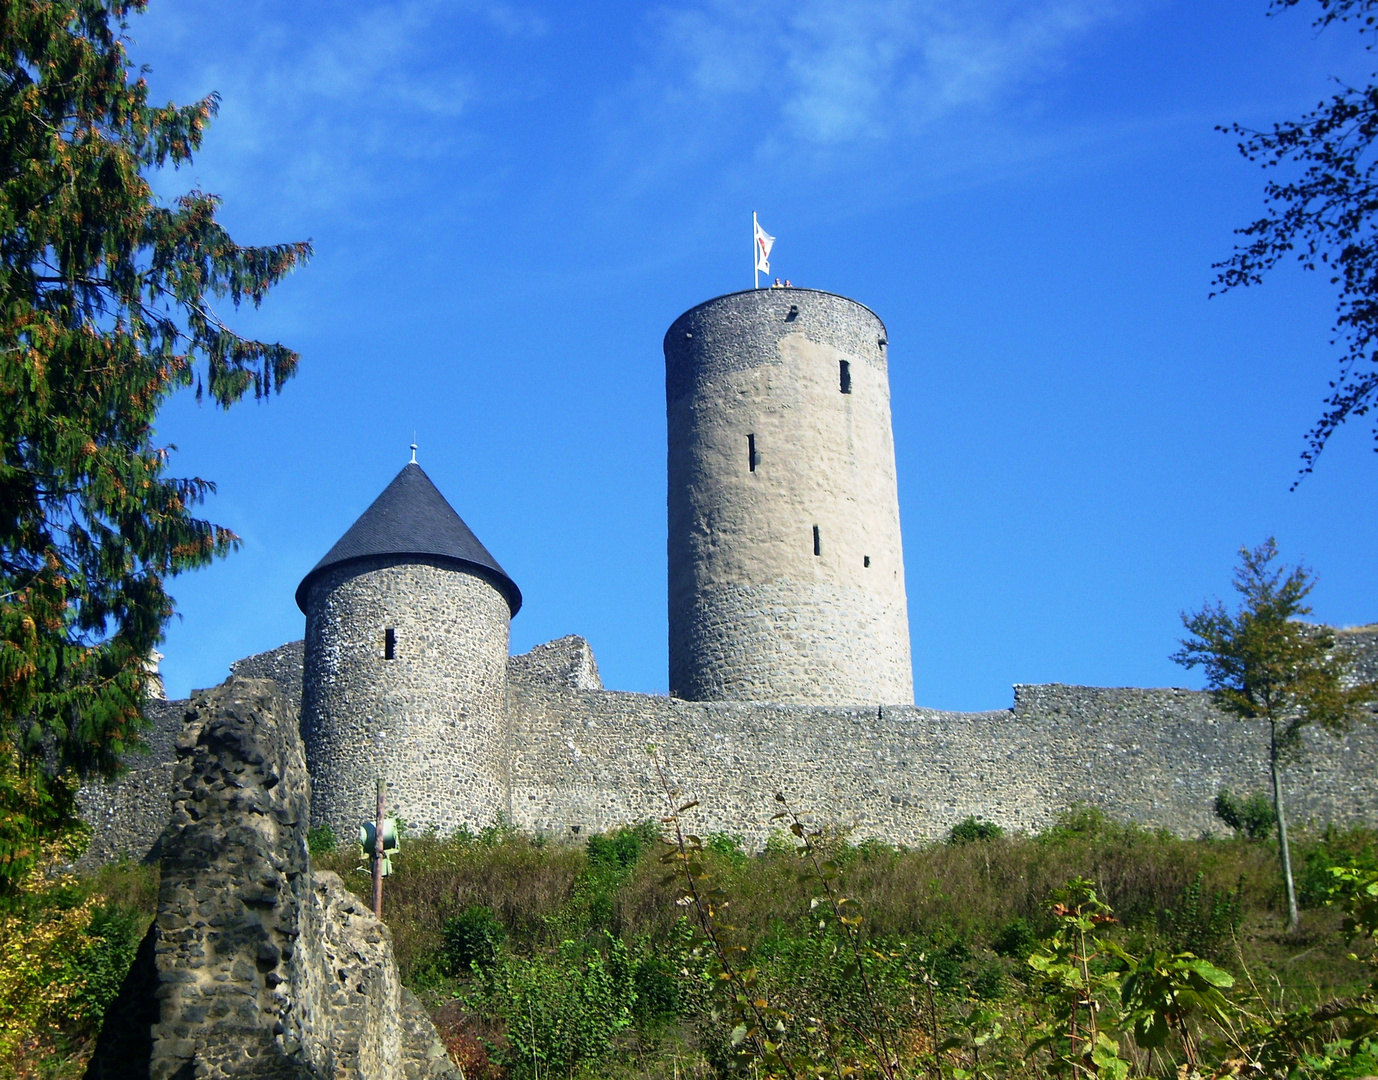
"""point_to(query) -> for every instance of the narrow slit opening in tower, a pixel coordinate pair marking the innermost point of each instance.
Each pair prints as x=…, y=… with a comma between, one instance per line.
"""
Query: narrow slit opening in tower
x=751, y=452
x=817, y=542
x=844, y=371
x=866, y=560
x=390, y=644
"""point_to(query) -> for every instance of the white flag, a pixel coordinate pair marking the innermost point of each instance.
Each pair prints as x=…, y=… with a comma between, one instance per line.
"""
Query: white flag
x=764, y=242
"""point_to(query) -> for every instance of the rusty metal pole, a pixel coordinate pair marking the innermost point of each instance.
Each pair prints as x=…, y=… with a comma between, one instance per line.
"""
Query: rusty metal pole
x=378, y=854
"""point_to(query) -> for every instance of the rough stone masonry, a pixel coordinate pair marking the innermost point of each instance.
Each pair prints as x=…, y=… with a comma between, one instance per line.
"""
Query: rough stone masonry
x=575, y=758
x=788, y=646
x=256, y=966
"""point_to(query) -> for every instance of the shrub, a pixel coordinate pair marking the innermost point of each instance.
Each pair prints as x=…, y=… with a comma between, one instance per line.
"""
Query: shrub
x=729, y=845
x=1206, y=919
x=990, y=983
x=472, y=940
x=973, y=829
x=1015, y=939
x=113, y=936
x=1080, y=822
x=657, y=988
x=620, y=849
x=321, y=840
x=1251, y=815
x=597, y=955
x=564, y=1009
x=1335, y=847
x=39, y=956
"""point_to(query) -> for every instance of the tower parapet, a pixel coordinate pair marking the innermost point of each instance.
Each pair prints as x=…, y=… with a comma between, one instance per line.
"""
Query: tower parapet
x=786, y=569
x=405, y=666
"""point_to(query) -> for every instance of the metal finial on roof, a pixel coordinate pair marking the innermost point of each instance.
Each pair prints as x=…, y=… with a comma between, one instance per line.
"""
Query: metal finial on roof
x=413, y=448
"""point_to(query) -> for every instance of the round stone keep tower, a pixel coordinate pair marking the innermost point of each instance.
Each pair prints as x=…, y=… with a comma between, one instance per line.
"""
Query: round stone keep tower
x=405, y=674
x=786, y=569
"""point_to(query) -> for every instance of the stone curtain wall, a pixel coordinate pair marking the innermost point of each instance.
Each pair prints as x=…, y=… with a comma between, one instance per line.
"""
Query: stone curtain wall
x=566, y=662
x=576, y=756
x=283, y=665
x=759, y=611
x=1361, y=642
x=127, y=815
x=255, y=966
x=432, y=721
x=906, y=775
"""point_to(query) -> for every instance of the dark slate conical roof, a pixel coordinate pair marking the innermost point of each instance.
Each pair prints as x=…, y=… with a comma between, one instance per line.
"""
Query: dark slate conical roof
x=411, y=517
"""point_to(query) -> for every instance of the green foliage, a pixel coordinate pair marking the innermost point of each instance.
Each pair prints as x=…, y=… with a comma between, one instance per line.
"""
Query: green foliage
x=1261, y=663
x=1073, y=983
x=657, y=985
x=1355, y=892
x=1163, y=992
x=728, y=845
x=114, y=934
x=1016, y=938
x=972, y=829
x=38, y=823
x=620, y=849
x=1324, y=217
x=1249, y=815
x=1206, y=919
x=321, y=840
x=105, y=311
x=1356, y=848
x=991, y=983
x=472, y=939
x=562, y=1010
x=1079, y=822
x=64, y=952
x=940, y=929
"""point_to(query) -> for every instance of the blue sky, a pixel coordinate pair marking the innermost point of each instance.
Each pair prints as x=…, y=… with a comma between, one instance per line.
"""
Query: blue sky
x=510, y=202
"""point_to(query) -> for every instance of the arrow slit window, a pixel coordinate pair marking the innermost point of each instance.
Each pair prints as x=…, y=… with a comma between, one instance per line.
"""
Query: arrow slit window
x=390, y=644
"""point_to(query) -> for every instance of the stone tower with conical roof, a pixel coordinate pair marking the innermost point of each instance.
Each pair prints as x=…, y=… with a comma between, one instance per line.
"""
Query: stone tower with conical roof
x=405, y=666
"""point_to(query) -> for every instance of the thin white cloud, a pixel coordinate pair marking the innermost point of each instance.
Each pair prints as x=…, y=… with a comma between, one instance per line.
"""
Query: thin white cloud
x=838, y=71
x=322, y=115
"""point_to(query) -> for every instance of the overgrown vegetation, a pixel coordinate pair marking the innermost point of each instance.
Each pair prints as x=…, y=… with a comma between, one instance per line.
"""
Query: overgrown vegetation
x=542, y=958
x=65, y=946
x=1249, y=815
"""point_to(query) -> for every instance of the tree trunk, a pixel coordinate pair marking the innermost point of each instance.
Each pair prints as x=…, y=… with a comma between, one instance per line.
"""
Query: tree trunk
x=1284, y=849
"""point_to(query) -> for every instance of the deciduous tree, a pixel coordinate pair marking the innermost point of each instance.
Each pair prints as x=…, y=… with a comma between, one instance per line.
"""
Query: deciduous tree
x=1261, y=663
x=1326, y=217
x=106, y=308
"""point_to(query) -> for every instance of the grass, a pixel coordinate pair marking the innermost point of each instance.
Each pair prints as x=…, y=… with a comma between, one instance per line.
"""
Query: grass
x=592, y=970
x=968, y=912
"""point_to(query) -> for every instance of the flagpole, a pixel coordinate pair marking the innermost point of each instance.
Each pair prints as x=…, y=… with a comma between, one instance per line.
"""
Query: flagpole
x=755, y=262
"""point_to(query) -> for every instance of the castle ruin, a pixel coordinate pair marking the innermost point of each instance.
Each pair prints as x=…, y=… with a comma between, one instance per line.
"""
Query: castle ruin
x=789, y=649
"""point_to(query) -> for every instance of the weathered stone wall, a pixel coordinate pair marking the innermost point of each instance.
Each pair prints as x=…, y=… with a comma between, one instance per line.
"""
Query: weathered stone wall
x=565, y=662
x=905, y=774
x=431, y=721
x=758, y=611
x=576, y=756
x=255, y=967
x=1361, y=643
x=127, y=815
x=283, y=665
